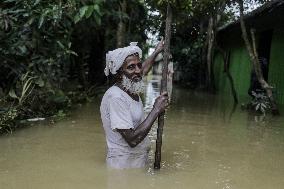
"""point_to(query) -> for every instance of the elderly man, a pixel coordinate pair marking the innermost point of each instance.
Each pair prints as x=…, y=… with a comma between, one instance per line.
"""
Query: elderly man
x=122, y=114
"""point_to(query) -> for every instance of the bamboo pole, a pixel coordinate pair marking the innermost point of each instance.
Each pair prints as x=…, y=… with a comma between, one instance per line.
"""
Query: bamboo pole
x=163, y=86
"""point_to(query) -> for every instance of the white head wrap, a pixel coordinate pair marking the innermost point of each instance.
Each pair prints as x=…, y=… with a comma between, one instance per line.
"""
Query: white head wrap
x=115, y=58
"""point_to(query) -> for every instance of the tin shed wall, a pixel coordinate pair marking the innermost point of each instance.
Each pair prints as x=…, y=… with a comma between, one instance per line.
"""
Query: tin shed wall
x=240, y=69
x=276, y=64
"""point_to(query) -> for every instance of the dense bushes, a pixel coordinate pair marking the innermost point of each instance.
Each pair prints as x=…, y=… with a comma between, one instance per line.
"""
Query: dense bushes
x=52, y=52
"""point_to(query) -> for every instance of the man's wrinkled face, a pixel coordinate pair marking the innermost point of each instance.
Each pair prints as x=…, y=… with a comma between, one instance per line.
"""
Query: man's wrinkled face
x=132, y=68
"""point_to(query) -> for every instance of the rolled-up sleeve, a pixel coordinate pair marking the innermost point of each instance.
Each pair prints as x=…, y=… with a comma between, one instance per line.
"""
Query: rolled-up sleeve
x=120, y=115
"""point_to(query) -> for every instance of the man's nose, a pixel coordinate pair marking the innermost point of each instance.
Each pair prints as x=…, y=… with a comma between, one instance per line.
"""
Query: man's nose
x=137, y=69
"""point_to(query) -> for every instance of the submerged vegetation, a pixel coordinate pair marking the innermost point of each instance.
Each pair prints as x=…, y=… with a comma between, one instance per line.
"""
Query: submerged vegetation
x=260, y=102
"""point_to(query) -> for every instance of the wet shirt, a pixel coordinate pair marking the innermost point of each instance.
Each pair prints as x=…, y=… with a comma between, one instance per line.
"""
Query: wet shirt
x=120, y=111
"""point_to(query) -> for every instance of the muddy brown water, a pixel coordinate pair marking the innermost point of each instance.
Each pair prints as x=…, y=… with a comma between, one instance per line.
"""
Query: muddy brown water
x=206, y=145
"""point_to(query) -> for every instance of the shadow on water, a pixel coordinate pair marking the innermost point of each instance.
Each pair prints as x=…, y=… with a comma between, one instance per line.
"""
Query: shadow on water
x=207, y=143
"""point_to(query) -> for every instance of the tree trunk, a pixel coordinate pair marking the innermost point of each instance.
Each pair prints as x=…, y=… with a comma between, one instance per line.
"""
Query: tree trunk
x=121, y=28
x=213, y=21
x=211, y=38
x=202, y=80
x=254, y=59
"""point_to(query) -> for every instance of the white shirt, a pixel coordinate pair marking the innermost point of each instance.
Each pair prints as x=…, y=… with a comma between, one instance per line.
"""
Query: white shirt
x=120, y=111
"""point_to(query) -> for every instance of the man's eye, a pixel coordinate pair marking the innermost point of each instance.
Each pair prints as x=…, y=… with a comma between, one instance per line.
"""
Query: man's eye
x=131, y=67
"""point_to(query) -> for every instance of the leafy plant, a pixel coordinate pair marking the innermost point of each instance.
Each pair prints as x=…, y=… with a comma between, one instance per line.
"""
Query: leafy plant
x=260, y=102
x=26, y=87
x=7, y=120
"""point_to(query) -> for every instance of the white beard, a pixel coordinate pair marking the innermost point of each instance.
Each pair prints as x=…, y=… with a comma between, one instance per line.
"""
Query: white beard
x=132, y=87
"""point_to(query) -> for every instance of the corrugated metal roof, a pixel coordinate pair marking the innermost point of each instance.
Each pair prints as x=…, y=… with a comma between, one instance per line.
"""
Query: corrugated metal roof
x=264, y=9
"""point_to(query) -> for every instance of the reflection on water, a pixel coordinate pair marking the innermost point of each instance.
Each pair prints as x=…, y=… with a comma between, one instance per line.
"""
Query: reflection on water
x=206, y=144
x=152, y=92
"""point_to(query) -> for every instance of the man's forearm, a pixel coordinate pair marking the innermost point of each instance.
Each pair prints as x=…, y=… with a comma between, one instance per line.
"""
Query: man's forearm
x=134, y=136
x=148, y=63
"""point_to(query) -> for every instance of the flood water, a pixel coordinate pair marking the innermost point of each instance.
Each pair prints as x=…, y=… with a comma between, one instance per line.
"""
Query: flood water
x=206, y=145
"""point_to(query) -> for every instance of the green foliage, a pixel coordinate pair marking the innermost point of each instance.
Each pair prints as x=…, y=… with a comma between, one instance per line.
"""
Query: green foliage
x=35, y=53
x=7, y=120
x=36, y=37
x=135, y=19
x=47, y=48
x=86, y=11
x=189, y=61
x=60, y=115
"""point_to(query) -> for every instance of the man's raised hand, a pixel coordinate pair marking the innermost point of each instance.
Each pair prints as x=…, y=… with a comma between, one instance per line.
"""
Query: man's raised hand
x=160, y=46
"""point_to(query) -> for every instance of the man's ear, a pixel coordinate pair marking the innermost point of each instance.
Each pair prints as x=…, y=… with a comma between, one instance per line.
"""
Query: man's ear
x=119, y=73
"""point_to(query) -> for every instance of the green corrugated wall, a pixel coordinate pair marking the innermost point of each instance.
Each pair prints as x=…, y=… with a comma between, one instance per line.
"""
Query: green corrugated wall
x=240, y=67
x=218, y=72
x=276, y=65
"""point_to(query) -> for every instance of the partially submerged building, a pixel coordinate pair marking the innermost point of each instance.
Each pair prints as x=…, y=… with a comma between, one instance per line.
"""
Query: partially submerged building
x=268, y=22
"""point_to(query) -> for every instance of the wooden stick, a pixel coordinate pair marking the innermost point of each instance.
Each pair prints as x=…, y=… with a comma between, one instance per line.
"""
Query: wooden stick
x=163, y=87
